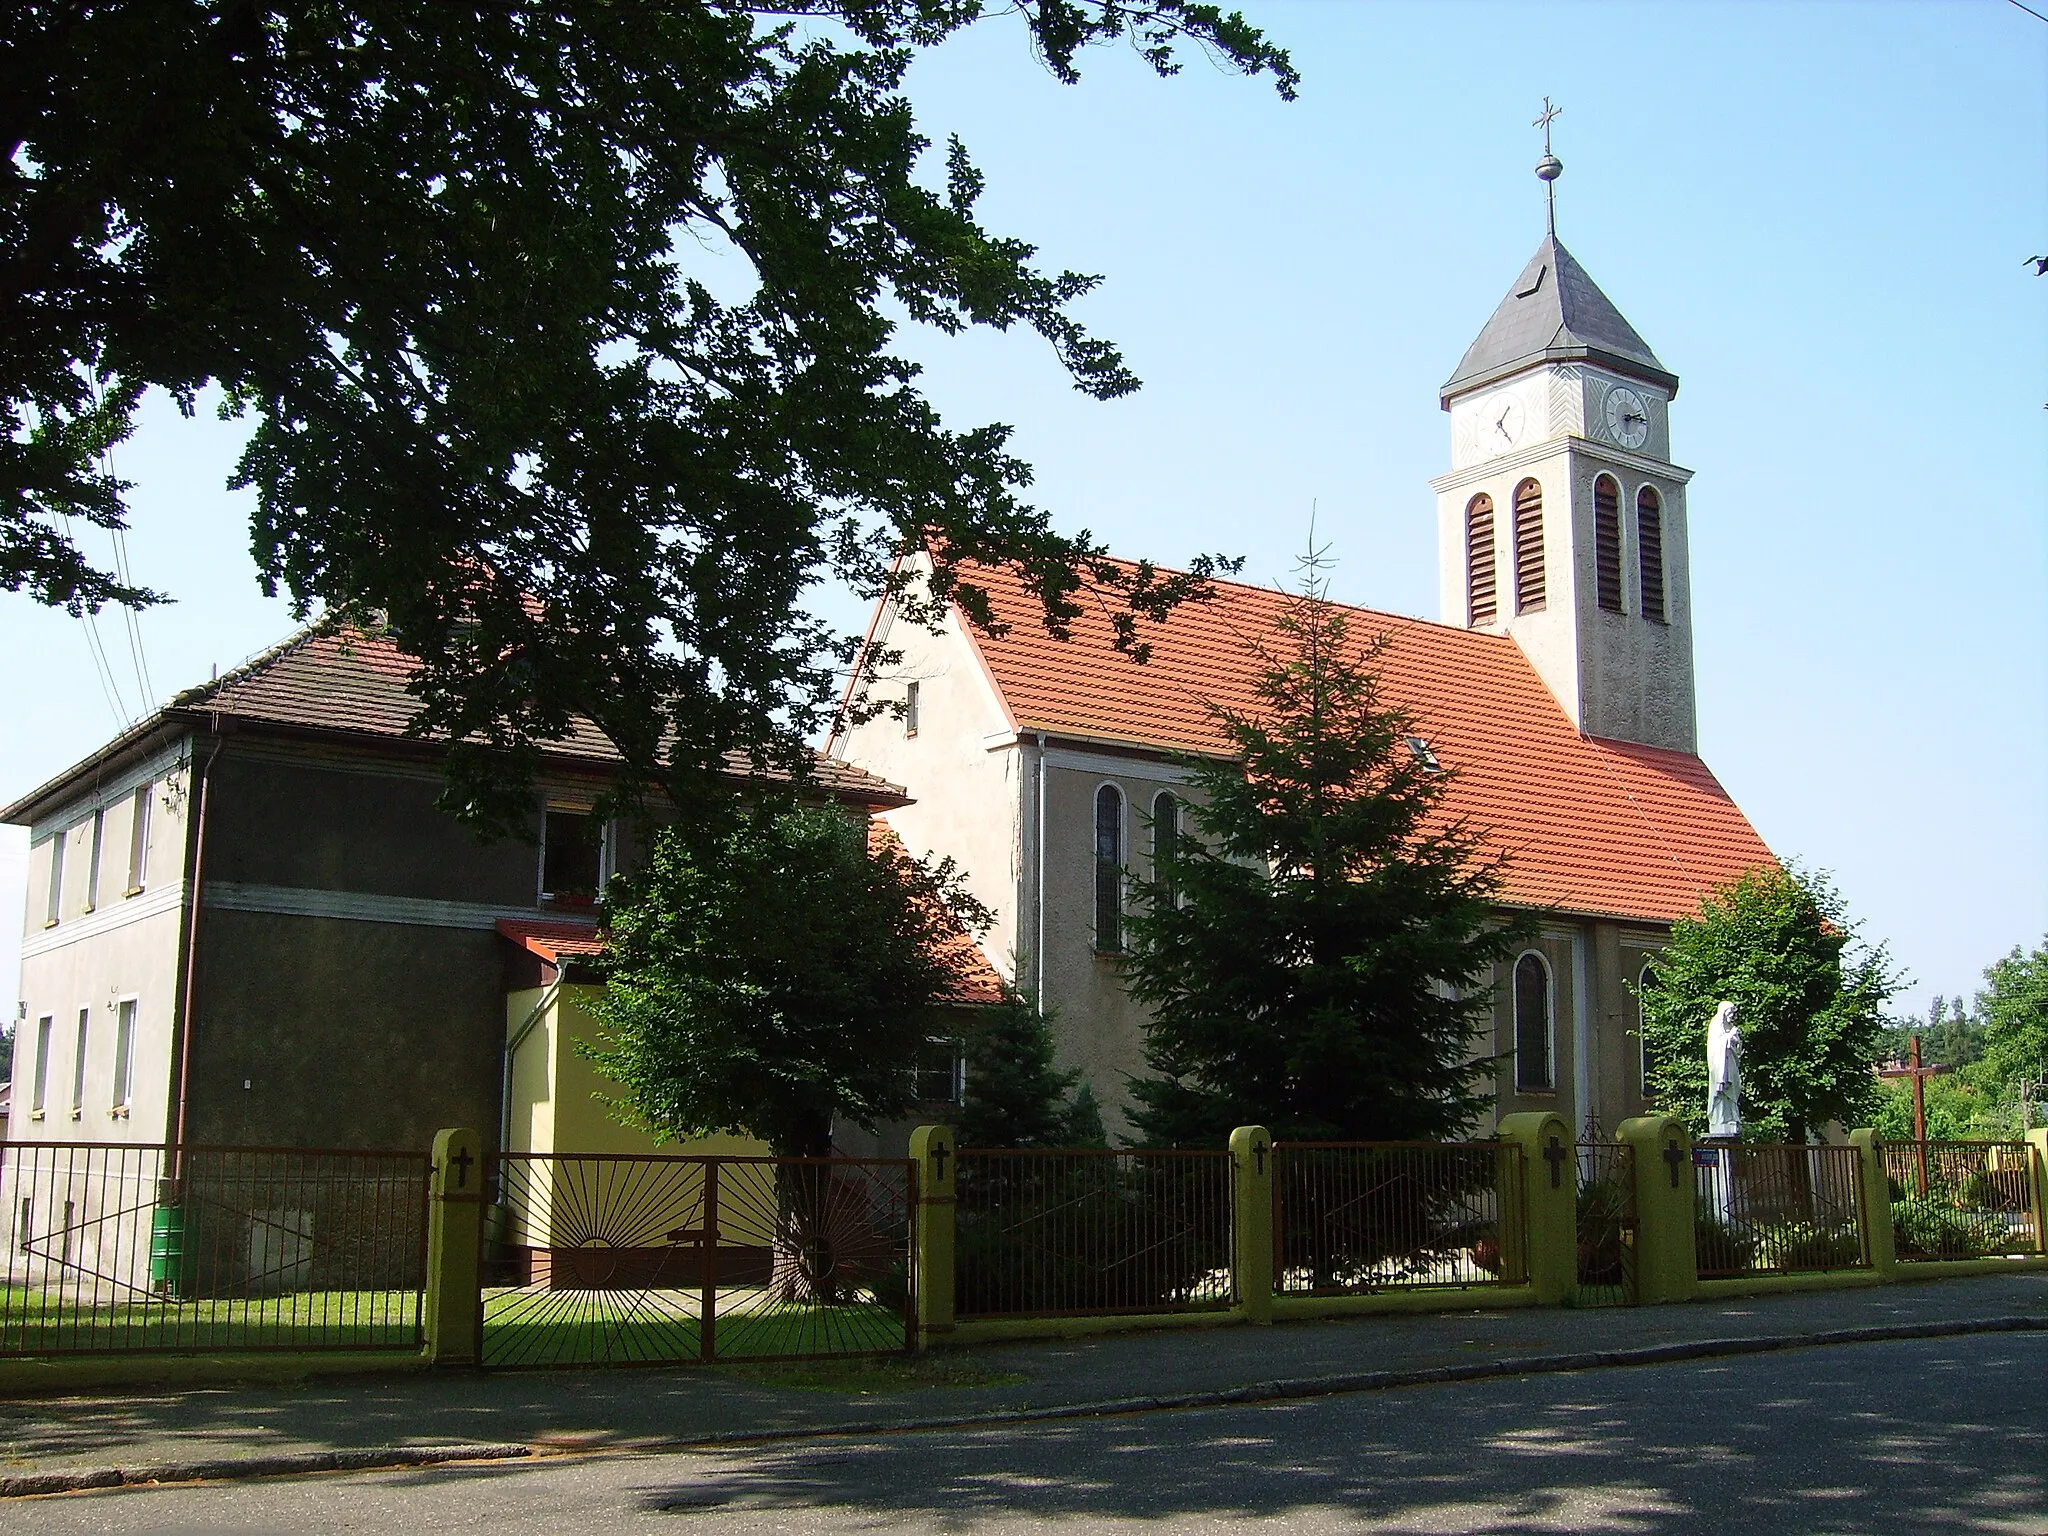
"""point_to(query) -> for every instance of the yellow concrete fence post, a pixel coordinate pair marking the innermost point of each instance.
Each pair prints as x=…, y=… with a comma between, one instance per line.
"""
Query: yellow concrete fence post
x=455, y=1209
x=2038, y=1140
x=1877, y=1204
x=1666, y=1266
x=1251, y=1222
x=1541, y=1219
x=935, y=1158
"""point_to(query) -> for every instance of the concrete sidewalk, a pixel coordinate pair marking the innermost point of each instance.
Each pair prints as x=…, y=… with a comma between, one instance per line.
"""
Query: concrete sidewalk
x=50, y=1444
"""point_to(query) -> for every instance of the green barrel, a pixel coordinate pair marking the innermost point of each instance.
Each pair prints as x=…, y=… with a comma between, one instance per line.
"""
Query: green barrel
x=167, y=1249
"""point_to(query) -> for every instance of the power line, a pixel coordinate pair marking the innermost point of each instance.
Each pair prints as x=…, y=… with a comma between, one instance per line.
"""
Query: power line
x=2029, y=10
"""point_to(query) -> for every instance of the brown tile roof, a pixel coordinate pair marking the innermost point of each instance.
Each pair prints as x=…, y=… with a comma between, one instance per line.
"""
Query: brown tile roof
x=1590, y=826
x=976, y=983
x=552, y=941
x=333, y=679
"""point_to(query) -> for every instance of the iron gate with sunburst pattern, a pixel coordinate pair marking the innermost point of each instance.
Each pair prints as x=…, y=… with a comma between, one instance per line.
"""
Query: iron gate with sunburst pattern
x=618, y=1260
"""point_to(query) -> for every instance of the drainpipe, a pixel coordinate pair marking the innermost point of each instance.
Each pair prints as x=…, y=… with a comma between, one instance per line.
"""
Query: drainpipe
x=204, y=775
x=512, y=1045
x=1038, y=832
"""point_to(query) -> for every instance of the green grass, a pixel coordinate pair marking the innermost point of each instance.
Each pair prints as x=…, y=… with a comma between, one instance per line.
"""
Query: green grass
x=40, y=1323
x=533, y=1327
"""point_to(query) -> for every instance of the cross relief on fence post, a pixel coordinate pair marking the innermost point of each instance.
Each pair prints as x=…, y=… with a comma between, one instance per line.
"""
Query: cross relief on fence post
x=1555, y=1155
x=1674, y=1158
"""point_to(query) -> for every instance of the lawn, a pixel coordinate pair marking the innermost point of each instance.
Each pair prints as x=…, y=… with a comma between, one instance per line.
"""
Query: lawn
x=41, y=1322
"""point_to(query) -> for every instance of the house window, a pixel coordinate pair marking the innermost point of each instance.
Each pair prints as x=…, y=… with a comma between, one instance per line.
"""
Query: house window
x=1607, y=542
x=138, y=840
x=54, y=907
x=941, y=1072
x=1650, y=551
x=910, y=706
x=1533, y=1069
x=1481, y=600
x=1109, y=870
x=1165, y=841
x=124, y=1054
x=78, y=1066
x=1529, y=590
x=92, y=868
x=572, y=858
x=45, y=1027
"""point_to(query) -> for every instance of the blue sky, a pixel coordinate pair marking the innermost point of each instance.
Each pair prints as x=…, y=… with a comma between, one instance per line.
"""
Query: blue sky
x=1816, y=214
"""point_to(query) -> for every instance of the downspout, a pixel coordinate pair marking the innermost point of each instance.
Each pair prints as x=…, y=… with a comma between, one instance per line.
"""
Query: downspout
x=176, y=1138
x=1038, y=832
x=512, y=1045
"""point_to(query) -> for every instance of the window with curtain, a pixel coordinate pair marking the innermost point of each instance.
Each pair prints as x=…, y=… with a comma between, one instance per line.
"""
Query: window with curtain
x=1607, y=542
x=1482, y=603
x=1109, y=870
x=1529, y=591
x=1650, y=551
x=1533, y=1067
x=138, y=840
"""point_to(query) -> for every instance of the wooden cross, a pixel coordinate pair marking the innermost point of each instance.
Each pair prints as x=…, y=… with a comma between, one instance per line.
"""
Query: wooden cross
x=460, y=1163
x=1555, y=1154
x=1919, y=1075
x=1673, y=1157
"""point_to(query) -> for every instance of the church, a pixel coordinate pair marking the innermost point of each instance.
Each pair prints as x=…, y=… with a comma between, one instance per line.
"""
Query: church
x=1556, y=687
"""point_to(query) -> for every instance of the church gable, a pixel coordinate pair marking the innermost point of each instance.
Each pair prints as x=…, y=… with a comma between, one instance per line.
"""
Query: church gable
x=1601, y=828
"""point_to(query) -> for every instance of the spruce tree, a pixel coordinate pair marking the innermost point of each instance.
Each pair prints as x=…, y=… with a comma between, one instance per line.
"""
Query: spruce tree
x=1015, y=1096
x=1317, y=958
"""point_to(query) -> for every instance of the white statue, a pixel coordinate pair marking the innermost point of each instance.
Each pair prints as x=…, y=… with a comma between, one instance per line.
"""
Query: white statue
x=1724, y=1074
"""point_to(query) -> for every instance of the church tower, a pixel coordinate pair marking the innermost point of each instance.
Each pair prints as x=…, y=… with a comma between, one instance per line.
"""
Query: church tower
x=1562, y=521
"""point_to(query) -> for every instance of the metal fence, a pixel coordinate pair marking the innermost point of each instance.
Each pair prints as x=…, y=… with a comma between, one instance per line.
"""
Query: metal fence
x=620, y=1260
x=1766, y=1209
x=1353, y=1217
x=1054, y=1232
x=1607, y=1224
x=116, y=1248
x=1962, y=1199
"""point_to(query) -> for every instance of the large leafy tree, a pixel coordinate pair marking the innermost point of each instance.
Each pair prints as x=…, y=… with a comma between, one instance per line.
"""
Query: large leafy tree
x=2014, y=1009
x=566, y=328
x=1810, y=1000
x=764, y=981
x=1316, y=957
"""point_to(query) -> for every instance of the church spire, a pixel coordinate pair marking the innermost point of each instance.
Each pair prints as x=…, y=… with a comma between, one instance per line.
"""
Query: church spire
x=1549, y=168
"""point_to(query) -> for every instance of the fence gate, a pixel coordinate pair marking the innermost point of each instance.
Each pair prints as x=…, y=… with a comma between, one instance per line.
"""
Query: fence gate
x=1607, y=1224
x=620, y=1260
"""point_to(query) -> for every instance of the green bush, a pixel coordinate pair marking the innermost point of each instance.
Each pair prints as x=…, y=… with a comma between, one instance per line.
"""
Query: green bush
x=1935, y=1228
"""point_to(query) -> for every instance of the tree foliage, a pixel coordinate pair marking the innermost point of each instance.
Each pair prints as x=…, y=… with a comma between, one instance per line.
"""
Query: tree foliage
x=1779, y=944
x=1016, y=1096
x=565, y=327
x=1316, y=960
x=2014, y=1009
x=763, y=981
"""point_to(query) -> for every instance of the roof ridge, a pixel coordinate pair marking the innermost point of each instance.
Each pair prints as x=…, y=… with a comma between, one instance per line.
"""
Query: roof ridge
x=254, y=664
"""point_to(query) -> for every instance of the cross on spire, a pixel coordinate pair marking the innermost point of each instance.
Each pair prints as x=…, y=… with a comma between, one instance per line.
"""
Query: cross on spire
x=1549, y=168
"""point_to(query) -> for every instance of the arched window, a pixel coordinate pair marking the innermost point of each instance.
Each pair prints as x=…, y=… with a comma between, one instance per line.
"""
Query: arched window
x=1650, y=551
x=1644, y=982
x=1528, y=547
x=1532, y=1024
x=1165, y=841
x=1109, y=870
x=1481, y=604
x=1607, y=542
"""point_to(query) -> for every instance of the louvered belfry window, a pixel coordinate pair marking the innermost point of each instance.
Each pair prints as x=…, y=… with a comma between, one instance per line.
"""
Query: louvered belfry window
x=1650, y=551
x=1528, y=547
x=1607, y=542
x=1481, y=602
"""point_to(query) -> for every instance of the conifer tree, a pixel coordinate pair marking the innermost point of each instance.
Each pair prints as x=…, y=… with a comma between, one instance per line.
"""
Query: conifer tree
x=1316, y=958
x=1016, y=1097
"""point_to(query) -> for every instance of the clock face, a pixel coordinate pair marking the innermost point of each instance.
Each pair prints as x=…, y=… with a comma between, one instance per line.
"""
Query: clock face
x=1628, y=417
x=1500, y=423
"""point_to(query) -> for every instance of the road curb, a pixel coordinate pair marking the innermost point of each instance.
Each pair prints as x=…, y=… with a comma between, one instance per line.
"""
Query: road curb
x=386, y=1458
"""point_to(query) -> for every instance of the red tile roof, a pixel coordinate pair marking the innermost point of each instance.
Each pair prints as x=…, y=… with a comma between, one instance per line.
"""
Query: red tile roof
x=333, y=679
x=976, y=983
x=1590, y=826
x=552, y=941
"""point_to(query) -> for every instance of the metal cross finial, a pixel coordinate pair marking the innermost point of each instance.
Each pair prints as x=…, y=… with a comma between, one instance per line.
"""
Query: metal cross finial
x=1549, y=168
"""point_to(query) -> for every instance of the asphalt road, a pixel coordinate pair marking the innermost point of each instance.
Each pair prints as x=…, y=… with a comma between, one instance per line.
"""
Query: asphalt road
x=1930, y=1436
